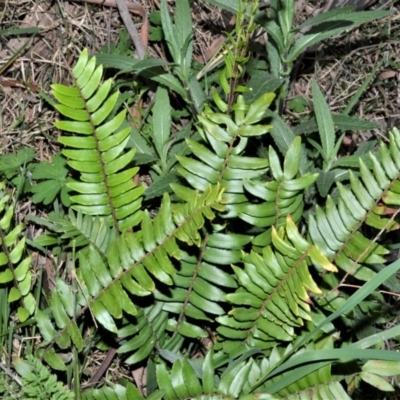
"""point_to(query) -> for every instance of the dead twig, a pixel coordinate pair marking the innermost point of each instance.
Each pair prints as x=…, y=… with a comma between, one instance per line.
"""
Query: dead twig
x=139, y=42
x=125, y=8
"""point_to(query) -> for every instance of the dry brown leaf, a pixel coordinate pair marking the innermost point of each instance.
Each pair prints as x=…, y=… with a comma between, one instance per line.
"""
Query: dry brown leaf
x=387, y=75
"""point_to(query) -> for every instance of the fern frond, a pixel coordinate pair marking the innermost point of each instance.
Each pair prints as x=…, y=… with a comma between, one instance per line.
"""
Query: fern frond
x=15, y=270
x=141, y=336
x=106, y=186
x=318, y=384
x=119, y=392
x=225, y=163
x=281, y=197
x=65, y=305
x=195, y=295
x=272, y=297
x=38, y=383
x=336, y=230
x=132, y=260
x=187, y=380
x=82, y=230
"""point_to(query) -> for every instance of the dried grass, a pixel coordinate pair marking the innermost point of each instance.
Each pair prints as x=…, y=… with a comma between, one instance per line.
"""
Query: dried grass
x=340, y=65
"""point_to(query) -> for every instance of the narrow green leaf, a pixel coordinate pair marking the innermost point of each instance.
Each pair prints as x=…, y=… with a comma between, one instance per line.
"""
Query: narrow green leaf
x=233, y=379
x=14, y=295
x=258, y=108
x=74, y=114
x=58, y=311
x=66, y=91
x=54, y=360
x=377, y=381
x=75, y=334
x=46, y=328
x=192, y=331
x=325, y=181
x=86, y=128
x=161, y=122
x=111, y=126
x=205, y=304
x=83, y=78
x=71, y=102
x=95, y=102
x=128, y=63
x=208, y=375
x=105, y=110
x=382, y=368
x=332, y=27
x=281, y=132
x=292, y=159
x=325, y=16
x=93, y=84
x=190, y=379
x=78, y=142
x=81, y=64
x=164, y=382
x=275, y=164
x=20, y=31
x=102, y=315
x=340, y=121
x=168, y=30
x=16, y=252
x=22, y=269
x=183, y=33
x=170, y=81
x=177, y=378
x=142, y=353
x=325, y=123
x=230, y=5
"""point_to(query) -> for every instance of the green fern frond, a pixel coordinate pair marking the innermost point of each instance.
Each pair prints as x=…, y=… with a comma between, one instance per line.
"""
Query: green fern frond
x=196, y=294
x=82, y=230
x=281, y=197
x=144, y=333
x=65, y=305
x=225, y=162
x=318, y=384
x=15, y=271
x=106, y=186
x=311, y=388
x=187, y=380
x=272, y=298
x=336, y=229
x=132, y=260
x=119, y=392
x=38, y=383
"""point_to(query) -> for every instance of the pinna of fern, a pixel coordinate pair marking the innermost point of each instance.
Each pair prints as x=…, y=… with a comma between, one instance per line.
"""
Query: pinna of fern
x=15, y=269
x=106, y=187
x=336, y=228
